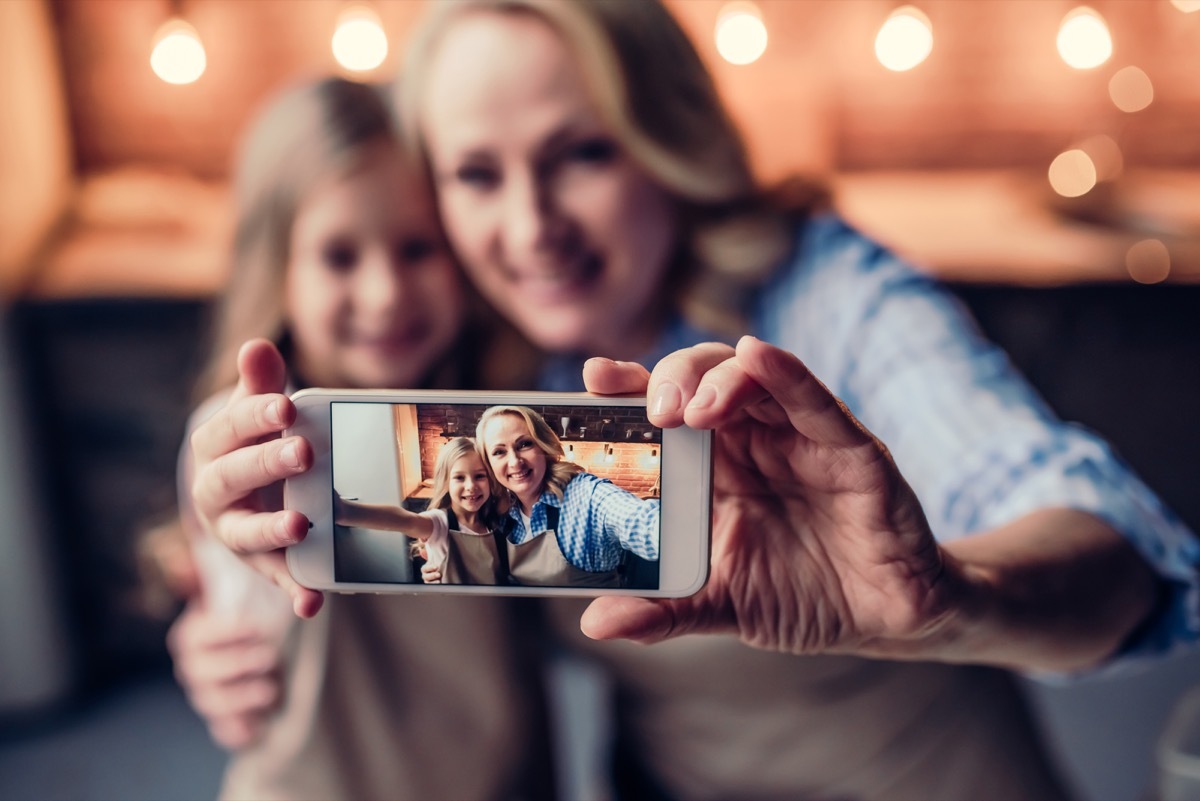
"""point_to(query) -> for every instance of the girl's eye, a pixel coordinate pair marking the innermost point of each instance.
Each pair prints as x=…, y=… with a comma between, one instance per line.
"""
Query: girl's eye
x=593, y=151
x=477, y=176
x=339, y=256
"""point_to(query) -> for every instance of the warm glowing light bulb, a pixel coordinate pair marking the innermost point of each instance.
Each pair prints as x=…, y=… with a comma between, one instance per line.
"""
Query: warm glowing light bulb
x=178, y=56
x=1083, y=39
x=904, y=40
x=1186, y=6
x=1072, y=173
x=1131, y=89
x=741, y=34
x=359, y=43
x=1148, y=262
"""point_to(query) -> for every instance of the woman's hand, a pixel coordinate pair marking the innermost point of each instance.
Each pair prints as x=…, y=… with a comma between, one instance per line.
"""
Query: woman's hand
x=238, y=460
x=819, y=545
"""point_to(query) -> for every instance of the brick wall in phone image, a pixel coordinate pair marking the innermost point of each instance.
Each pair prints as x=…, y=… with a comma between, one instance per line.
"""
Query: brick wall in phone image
x=614, y=443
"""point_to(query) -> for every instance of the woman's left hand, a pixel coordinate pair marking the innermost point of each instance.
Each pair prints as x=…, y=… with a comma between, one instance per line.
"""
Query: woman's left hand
x=818, y=543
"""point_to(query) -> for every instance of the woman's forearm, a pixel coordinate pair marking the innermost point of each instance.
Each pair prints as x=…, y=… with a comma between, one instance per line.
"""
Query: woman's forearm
x=1057, y=590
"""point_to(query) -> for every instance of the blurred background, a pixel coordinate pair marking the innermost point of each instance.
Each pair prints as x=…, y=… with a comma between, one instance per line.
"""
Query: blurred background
x=1041, y=157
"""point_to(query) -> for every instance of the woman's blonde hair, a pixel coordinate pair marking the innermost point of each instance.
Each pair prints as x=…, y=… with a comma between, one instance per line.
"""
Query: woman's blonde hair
x=559, y=472
x=658, y=99
x=304, y=136
x=450, y=453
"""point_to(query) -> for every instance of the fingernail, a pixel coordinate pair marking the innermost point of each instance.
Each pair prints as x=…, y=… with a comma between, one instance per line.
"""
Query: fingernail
x=289, y=455
x=274, y=414
x=705, y=396
x=667, y=399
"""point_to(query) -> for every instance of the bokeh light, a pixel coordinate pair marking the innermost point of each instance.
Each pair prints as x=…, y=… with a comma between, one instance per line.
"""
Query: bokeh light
x=741, y=34
x=1106, y=156
x=1084, y=41
x=904, y=40
x=178, y=56
x=1148, y=262
x=1186, y=6
x=1072, y=173
x=1130, y=89
x=359, y=42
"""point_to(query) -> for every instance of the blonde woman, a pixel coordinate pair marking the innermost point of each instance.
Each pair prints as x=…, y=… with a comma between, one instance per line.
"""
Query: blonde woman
x=566, y=527
x=599, y=198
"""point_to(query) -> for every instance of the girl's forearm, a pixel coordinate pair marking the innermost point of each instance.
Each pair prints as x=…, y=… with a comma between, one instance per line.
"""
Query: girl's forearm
x=385, y=518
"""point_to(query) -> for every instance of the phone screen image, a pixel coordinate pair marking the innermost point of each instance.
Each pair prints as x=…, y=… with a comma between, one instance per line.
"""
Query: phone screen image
x=564, y=496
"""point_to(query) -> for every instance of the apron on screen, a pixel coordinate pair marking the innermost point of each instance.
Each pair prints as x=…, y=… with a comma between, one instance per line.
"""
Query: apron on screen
x=540, y=562
x=472, y=558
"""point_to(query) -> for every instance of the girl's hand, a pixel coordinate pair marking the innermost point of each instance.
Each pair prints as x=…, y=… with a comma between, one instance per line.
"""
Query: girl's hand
x=431, y=574
x=238, y=462
x=230, y=669
x=818, y=543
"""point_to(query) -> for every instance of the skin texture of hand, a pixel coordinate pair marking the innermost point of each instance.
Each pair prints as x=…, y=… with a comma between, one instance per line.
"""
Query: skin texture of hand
x=229, y=670
x=818, y=543
x=239, y=462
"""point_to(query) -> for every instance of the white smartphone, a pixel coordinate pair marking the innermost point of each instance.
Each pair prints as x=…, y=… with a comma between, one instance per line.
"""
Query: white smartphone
x=573, y=494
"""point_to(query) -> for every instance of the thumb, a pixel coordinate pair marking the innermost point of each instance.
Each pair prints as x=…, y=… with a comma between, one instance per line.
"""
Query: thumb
x=261, y=369
x=639, y=619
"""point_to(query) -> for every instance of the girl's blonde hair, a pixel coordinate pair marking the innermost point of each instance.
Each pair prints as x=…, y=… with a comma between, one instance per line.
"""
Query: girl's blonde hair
x=450, y=453
x=659, y=101
x=308, y=134
x=559, y=472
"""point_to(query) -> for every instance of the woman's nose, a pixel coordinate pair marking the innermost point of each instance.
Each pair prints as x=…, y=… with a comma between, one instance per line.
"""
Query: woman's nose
x=533, y=227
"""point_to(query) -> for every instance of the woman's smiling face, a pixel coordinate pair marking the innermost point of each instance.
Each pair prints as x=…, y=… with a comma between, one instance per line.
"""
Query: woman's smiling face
x=555, y=224
x=516, y=459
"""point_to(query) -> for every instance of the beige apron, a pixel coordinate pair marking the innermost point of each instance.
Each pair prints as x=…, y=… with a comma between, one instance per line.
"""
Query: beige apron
x=471, y=558
x=403, y=697
x=539, y=562
x=705, y=717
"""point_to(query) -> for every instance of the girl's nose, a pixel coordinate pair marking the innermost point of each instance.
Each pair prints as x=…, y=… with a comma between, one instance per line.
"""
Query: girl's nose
x=381, y=284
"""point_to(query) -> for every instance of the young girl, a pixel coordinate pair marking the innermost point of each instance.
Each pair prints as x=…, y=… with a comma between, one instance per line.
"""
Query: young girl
x=340, y=278
x=456, y=533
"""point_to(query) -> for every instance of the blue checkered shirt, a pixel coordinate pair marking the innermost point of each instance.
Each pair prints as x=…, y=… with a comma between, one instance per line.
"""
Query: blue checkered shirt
x=976, y=443
x=597, y=520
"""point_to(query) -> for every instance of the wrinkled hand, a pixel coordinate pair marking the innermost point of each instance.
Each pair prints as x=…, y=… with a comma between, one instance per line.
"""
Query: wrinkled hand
x=818, y=542
x=238, y=462
x=230, y=670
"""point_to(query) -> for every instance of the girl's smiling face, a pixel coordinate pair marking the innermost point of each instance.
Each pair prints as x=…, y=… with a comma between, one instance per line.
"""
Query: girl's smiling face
x=373, y=297
x=470, y=485
x=516, y=459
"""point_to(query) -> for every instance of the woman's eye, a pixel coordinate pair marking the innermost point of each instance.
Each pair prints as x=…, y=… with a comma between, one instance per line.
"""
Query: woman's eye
x=593, y=151
x=339, y=256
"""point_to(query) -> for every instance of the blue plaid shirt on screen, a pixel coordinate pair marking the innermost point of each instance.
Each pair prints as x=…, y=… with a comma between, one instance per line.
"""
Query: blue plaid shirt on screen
x=596, y=521
x=976, y=443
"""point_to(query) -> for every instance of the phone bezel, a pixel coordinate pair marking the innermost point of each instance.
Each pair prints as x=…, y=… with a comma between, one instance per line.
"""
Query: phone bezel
x=685, y=491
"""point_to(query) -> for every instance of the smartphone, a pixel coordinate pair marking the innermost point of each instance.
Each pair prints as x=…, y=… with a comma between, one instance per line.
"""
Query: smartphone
x=574, y=494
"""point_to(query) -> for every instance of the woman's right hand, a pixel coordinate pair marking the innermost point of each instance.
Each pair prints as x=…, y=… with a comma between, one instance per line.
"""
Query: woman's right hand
x=238, y=462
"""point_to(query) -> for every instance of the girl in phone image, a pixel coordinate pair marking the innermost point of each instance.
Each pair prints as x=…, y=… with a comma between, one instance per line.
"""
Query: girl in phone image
x=456, y=533
x=340, y=277
x=567, y=527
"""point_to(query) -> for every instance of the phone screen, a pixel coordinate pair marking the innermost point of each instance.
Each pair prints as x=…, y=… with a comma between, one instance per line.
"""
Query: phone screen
x=560, y=496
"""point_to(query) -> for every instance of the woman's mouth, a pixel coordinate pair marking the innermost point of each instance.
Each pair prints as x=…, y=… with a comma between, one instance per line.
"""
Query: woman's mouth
x=520, y=476
x=562, y=282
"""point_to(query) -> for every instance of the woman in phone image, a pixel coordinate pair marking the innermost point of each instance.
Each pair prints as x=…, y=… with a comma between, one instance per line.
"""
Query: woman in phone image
x=456, y=532
x=567, y=527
